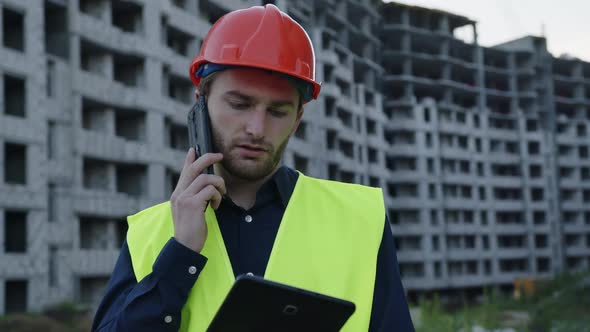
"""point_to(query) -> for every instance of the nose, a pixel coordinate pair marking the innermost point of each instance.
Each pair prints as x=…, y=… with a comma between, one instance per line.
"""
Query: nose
x=256, y=123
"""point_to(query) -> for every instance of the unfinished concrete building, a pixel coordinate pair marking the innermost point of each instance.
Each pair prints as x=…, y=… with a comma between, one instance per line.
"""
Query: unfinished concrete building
x=480, y=151
x=488, y=171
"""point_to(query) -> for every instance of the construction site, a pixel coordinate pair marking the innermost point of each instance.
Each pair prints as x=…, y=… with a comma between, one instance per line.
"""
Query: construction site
x=482, y=152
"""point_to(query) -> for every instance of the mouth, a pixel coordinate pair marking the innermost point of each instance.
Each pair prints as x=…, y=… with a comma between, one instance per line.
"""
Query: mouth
x=251, y=151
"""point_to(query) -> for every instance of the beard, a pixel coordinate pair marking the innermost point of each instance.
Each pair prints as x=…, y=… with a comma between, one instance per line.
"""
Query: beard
x=250, y=169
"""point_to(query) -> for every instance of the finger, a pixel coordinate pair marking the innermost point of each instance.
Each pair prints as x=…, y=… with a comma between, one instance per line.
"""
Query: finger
x=193, y=170
x=188, y=160
x=208, y=194
x=204, y=180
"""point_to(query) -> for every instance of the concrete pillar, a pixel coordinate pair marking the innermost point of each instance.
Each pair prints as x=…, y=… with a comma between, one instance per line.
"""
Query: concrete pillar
x=2, y=293
x=107, y=12
x=107, y=66
x=406, y=42
x=2, y=97
x=156, y=182
x=155, y=129
x=445, y=48
x=111, y=235
x=480, y=79
x=111, y=178
x=446, y=71
x=152, y=76
x=512, y=87
x=109, y=121
x=444, y=25
x=2, y=38
x=405, y=16
x=407, y=67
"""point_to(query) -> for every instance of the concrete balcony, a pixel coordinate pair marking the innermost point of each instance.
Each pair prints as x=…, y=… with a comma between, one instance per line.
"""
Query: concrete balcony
x=463, y=254
x=569, y=182
x=188, y=22
x=408, y=229
x=459, y=178
x=473, y=280
x=90, y=263
x=410, y=255
x=22, y=265
x=108, y=204
x=577, y=251
x=332, y=90
x=505, y=180
x=403, y=149
x=570, y=100
x=460, y=86
x=403, y=123
x=106, y=90
x=453, y=152
x=569, y=160
x=59, y=170
x=542, y=252
x=578, y=228
x=464, y=228
x=417, y=283
x=508, y=205
x=504, y=157
x=406, y=175
x=108, y=147
x=528, y=94
x=179, y=64
x=566, y=79
x=510, y=229
x=573, y=205
x=542, y=205
x=460, y=203
x=328, y=56
x=513, y=252
x=405, y=203
x=19, y=63
x=567, y=138
x=22, y=130
x=503, y=134
x=509, y=277
x=109, y=36
x=22, y=197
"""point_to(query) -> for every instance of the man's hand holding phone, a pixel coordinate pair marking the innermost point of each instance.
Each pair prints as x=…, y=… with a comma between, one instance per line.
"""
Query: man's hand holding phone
x=195, y=189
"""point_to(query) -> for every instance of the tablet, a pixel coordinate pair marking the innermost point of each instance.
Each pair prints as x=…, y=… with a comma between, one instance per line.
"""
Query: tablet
x=254, y=304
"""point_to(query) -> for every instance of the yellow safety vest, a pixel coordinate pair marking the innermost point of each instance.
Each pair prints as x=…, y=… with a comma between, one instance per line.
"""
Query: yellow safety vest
x=327, y=242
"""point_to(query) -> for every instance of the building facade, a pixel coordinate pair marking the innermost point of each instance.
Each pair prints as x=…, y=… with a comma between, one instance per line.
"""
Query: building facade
x=481, y=152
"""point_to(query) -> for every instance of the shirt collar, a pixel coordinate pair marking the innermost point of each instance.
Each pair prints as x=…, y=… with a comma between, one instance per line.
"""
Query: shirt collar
x=285, y=179
x=281, y=184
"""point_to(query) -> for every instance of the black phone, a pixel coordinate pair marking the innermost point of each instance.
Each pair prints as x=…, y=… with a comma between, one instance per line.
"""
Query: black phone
x=199, y=130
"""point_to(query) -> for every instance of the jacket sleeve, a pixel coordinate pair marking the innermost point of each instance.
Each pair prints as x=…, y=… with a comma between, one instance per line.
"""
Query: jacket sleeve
x=390, y=310
x=155, y=303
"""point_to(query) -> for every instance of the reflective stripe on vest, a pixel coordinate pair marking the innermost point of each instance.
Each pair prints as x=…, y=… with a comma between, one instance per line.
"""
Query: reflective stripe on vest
x=327, y=242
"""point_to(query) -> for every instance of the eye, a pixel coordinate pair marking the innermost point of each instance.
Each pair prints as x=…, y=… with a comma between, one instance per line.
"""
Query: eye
x=277, y=113
x=238, y=105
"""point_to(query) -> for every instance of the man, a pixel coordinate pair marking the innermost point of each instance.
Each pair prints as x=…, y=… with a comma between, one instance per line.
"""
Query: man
x=256, y=70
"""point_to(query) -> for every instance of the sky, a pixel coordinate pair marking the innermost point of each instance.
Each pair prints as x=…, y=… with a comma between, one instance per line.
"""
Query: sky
x=566, y=22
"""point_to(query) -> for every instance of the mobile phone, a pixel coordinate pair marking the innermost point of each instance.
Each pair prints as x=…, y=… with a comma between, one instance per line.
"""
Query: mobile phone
x=199, y=130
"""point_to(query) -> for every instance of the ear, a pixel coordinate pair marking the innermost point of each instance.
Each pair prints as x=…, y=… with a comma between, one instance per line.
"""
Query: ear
x=297, y=120
x=197, y=94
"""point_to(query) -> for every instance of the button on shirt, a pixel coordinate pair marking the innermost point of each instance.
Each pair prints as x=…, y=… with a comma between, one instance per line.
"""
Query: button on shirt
x=155, y=303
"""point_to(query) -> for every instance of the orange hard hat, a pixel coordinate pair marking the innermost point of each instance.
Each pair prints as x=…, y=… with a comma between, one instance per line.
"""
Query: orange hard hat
x=259, y=37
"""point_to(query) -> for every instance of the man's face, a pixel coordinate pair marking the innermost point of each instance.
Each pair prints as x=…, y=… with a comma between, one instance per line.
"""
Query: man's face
x=253, y=113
